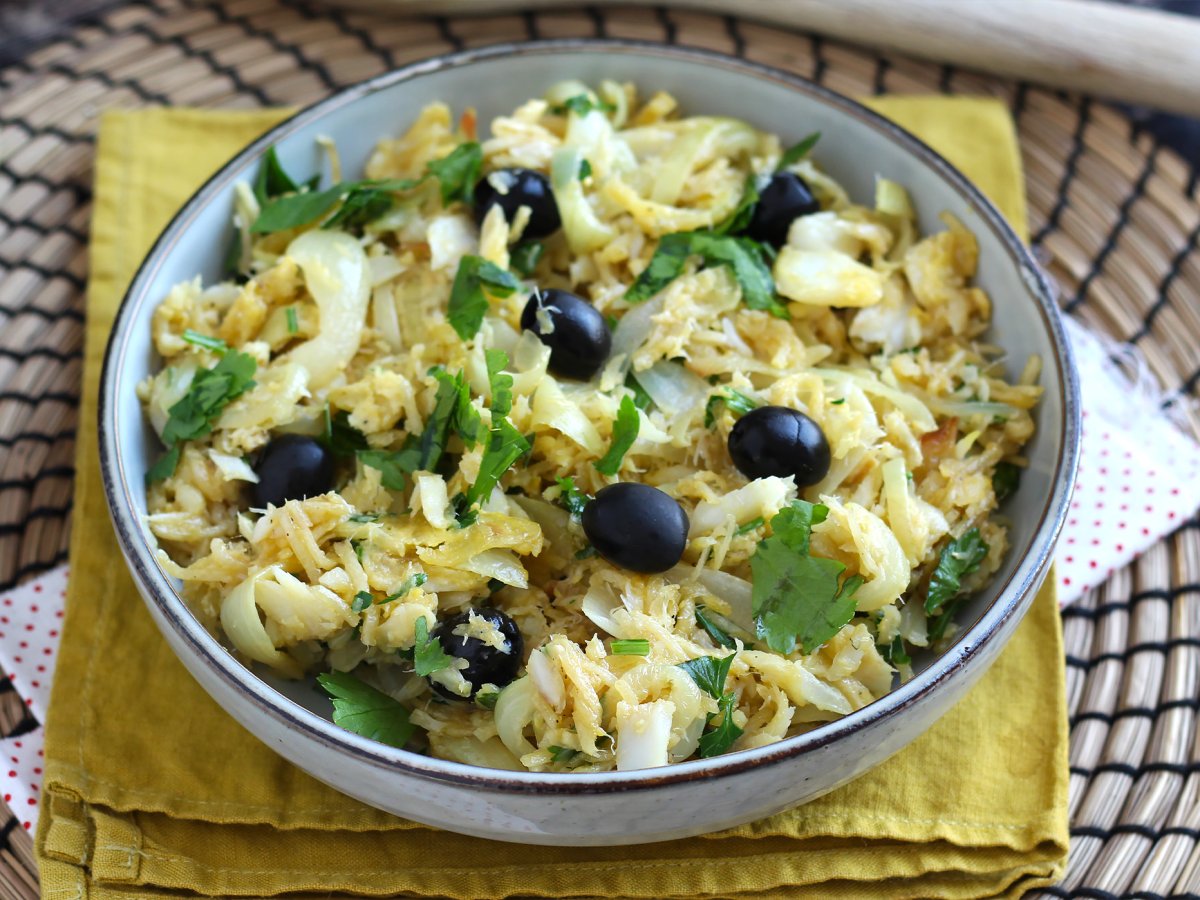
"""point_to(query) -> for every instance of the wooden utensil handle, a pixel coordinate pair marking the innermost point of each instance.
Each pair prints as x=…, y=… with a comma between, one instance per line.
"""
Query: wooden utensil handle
x=1127, y=53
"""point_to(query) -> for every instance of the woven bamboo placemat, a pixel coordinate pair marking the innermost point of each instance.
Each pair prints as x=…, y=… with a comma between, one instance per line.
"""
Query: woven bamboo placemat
x=1115, y=218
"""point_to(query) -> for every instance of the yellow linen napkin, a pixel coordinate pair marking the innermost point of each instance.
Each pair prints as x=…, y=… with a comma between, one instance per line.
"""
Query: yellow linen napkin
x=151, y=790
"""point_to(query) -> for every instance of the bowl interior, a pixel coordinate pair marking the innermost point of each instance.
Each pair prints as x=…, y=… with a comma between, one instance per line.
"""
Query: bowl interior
x=855, y=147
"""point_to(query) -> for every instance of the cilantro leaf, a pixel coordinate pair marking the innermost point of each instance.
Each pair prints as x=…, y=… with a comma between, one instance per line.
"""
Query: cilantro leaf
x=362, y=709
x=571, y=497
x=272, y=181
x=458, y=172
x=165, y=467
x=475, y=279
x=709, y=673
x=715, y=631
x=342, y=438
x=721, y=738
x=739, y=220
x=525, y=256
x=1005, y=480
x=428, y=655
x=798, y=151
x=745, y=257
x=959, y=558
x=407, y=586
x=797, y=596
x=630, y=647
x=581, y=105
x=625, y=432
x=737, y=402
x=211, y=390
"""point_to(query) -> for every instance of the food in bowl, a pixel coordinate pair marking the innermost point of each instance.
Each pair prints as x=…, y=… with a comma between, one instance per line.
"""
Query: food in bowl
x=620, y=438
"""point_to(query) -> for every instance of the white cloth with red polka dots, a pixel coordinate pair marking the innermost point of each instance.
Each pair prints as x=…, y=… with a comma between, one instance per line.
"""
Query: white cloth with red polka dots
x=1139, y=479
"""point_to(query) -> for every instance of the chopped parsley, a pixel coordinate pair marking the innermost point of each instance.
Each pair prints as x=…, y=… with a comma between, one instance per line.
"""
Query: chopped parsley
x=571, y=497
x=581, y=105
x=475, y=279
x=710, y=674
x=625, y=432
x=562, y=754
x=735, y=401
x=505, y=445
x=272, y=180
x=739, y=219
x=797, y=597
x=357, y=547
x=428, y=655
x=293, y=320
x=524, y=257
x=362, y=600
x=837, y=402
x=715, y=631
x=194, y=414
x=958, y=559
x=339, y=436
x=586, y=553
x=746, y=258
x=487, y=699
x=640, y=398
x=585, y=170
x=798, y=151
x=895, y=652
x=1005, y=480
x=630, y=647
x=407, y=586
x=364, y=201
x=749, y=526
x=362, y=709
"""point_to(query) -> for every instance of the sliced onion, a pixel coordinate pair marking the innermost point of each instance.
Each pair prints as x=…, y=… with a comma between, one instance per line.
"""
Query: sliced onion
x=514, y=712
x=643, y=732
x=674, y=389
x=585, y=232
x=244, y=628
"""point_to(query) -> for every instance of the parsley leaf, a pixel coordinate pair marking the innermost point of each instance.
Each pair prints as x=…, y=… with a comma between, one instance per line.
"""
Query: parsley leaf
x=797, y=596
x=585, y=170
x=362, y=709
x=297, y=209
x=572, y=497
x=505, y=446
x=895, y=653
x=959, y=558
x=1006, y=479
x=640, y=398
x=562, y=754
x=487, y=699
x=458, y=172
x=428, y=655
x=625, y=432
x=745, y=257
x=581, y=105
x=630, y=647
x=709, y=673
x=738, y=403
x=500, y=381
x=475, y=279
x=342, y=438
x=525, y=256
x=798, y=151
x=739, y=219
x=407, y=586
x=363, y=518
x=465, y=418
x=362, y=600
x=210, y=392
x=361, y=206
x=272, y=181
x=721, y=738
x=715, y=631
x=389, y=463
x=165, y=467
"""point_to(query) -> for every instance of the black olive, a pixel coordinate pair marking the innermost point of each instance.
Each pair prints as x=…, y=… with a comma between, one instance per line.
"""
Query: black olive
x=510, y=189
x=785, y=198
x=775, y=440
x=292, y=467
x=636, y=527
x=485, y=664
x=577, y=335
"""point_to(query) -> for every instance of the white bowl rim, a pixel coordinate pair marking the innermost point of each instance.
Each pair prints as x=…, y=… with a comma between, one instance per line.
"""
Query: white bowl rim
x=221, y=662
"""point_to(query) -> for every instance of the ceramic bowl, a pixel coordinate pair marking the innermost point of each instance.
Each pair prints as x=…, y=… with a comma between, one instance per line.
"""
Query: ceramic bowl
x=625, y=807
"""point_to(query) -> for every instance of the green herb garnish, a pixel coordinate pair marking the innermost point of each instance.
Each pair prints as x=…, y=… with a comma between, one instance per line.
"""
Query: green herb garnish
x=475, y=279
x=428, y=655
x=458, y=172
x=293, y=320
x=406, y=587
x=715, y=631
x=562, y=754
x=487, y=699
x=738, y=403
x=739, y=220
x=215, y=344
x=165, y=467
x=272, y=181
x=625, y=432
x=362, y=709
x=362, y=518
x=631, y=647
x=581, y=105
x=641, y=399
x=795, y=596
x=1005, y=480
x=524, y=257
x=362, y=206
x=342, y=438
x=585, y=170
x=586, y=553
x=745, y=257
x=749, y=526
x=710, y=673
x=895, y=652
x=572, y=497
x=362, y=600
x=798, y=151
x=959, y=559
x=721, y=738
